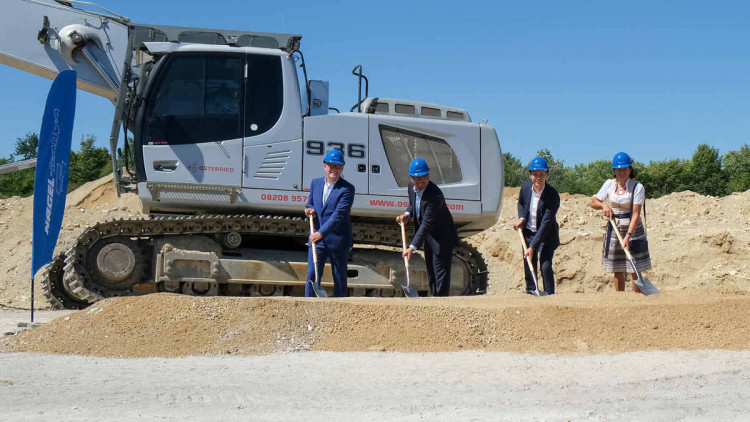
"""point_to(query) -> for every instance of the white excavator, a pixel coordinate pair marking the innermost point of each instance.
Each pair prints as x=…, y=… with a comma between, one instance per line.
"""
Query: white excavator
x=227, y=137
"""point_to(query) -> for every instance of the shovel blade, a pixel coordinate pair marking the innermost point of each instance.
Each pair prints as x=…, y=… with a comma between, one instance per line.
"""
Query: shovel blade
x=647, y=288
x=409, y=292
x=318, y=289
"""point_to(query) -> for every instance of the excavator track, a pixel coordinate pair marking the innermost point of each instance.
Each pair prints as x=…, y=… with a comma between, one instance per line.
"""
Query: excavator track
x=68, y=284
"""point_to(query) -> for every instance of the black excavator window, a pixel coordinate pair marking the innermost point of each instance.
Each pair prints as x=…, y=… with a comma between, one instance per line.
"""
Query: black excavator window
x=197, y=100
x=264, y=93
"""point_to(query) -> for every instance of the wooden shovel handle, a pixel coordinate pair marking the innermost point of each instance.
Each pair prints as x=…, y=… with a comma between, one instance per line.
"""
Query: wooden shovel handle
x=312, y=245
x=523, y=242
x=403, y=240
x=403, y=234
x=619, y=237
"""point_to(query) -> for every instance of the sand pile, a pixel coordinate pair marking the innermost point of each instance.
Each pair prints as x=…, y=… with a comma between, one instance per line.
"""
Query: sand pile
x=93, y=202
x=174, y=325
x=700, y=263
x=695, y=241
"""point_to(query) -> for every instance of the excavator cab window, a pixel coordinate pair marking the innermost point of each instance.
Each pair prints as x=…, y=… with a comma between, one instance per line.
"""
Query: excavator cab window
x=197, y=100
x=205, y=98
x=401, y=146
x=264, y=96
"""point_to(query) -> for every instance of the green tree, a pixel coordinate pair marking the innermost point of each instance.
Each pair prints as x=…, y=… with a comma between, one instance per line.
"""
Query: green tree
x=20, y=183
x=664, y=177
x=89, y=163
x=514, y=171
x=127, y=156
x=27, y=146
x=562, y=178
x=590, y=177
x=737, y=169
x=706, y=175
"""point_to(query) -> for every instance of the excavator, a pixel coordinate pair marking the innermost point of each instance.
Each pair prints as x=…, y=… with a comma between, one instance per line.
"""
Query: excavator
x=227, y=133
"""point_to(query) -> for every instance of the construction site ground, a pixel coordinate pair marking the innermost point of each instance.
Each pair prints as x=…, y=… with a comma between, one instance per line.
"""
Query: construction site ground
x=584, y=353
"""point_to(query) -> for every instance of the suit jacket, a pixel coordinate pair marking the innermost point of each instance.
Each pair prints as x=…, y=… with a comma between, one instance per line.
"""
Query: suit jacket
x=333, y=218
x=547, y=230
x=435, y=223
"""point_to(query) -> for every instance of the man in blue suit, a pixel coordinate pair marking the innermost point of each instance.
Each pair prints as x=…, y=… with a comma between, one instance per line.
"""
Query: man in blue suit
x=538, y=203
x=330, y=199
x=434, y=225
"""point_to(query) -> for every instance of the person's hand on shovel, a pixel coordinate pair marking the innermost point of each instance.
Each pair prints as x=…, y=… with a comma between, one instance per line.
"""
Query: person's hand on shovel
x=407, y=253
x=529, y=252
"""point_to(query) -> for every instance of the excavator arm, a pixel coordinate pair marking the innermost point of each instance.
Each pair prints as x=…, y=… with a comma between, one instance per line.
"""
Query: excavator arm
x=105, y=49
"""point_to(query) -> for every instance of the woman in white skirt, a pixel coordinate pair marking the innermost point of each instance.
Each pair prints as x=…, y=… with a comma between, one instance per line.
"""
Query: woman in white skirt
x=626, y=200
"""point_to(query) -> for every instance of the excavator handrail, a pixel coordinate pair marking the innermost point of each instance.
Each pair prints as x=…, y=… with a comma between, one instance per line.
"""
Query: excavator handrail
x=360, y=76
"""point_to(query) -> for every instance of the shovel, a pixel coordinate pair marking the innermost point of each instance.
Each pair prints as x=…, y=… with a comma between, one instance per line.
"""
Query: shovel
x=319, y=291
x=536, y=291
x=644, y=284
x=408, y=291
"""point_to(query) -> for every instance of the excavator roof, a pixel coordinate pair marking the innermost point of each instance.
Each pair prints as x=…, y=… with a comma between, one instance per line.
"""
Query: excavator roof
x=162, y=33
x=156, y=48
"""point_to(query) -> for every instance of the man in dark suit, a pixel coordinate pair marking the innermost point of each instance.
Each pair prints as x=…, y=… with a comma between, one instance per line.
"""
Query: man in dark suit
x=330, y=199
x=538, y=203
x=434, y=226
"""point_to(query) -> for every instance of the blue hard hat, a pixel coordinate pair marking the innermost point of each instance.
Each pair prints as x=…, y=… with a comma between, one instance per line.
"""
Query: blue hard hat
x=621, y=160
x=418, y=167
x=334, y=156
x=538, y=163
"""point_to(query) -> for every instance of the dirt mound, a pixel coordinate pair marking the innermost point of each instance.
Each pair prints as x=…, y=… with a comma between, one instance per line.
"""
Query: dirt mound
x=695, y=241
x=93, y=202
x=173, y=325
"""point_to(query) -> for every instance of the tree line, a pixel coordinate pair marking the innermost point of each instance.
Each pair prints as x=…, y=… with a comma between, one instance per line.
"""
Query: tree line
x=706, y=172
x=89, y=163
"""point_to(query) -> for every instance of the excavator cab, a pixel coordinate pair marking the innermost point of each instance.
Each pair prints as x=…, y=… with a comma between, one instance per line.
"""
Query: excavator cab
x=210, y=112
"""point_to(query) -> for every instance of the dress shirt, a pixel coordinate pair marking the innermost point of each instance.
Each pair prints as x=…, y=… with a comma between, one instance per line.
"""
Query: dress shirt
x=535, y=197
x=327, y=190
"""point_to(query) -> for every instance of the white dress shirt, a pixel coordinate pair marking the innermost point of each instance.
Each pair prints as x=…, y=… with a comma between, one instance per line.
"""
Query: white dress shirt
x=327, y=190
x=535, y=197
x=417, y=203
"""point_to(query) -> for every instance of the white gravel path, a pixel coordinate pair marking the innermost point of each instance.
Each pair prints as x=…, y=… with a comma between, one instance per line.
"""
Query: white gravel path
x=681, y=385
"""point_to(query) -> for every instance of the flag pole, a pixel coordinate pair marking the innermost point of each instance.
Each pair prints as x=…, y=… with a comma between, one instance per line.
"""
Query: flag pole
x=32, y=299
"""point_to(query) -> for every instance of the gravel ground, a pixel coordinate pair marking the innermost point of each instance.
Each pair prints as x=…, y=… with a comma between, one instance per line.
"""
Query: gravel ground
x=320, y=386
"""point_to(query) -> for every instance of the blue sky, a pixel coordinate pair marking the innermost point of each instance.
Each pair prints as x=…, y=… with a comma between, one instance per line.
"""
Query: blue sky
x=584, y=79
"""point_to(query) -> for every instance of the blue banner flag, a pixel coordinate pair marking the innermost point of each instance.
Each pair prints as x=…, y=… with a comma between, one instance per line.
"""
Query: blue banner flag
x=53, y=159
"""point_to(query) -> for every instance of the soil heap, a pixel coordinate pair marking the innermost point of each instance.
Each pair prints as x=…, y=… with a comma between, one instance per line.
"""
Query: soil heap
x=700, y=248
x=175, y=325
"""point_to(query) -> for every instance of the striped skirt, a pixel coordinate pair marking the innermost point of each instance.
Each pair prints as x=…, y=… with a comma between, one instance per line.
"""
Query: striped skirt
x=615, y=260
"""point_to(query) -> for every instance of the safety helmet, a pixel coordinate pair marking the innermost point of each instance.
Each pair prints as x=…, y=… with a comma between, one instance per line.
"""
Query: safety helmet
x=621, y=160
x=538, y=163
x=334, y=156
x=418, y=167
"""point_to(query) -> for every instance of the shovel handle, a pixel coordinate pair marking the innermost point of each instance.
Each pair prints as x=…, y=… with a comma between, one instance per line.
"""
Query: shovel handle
x=619, y=237
x=523, y=242
x=403, y=240
x=528, y=260
x=312, y=245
